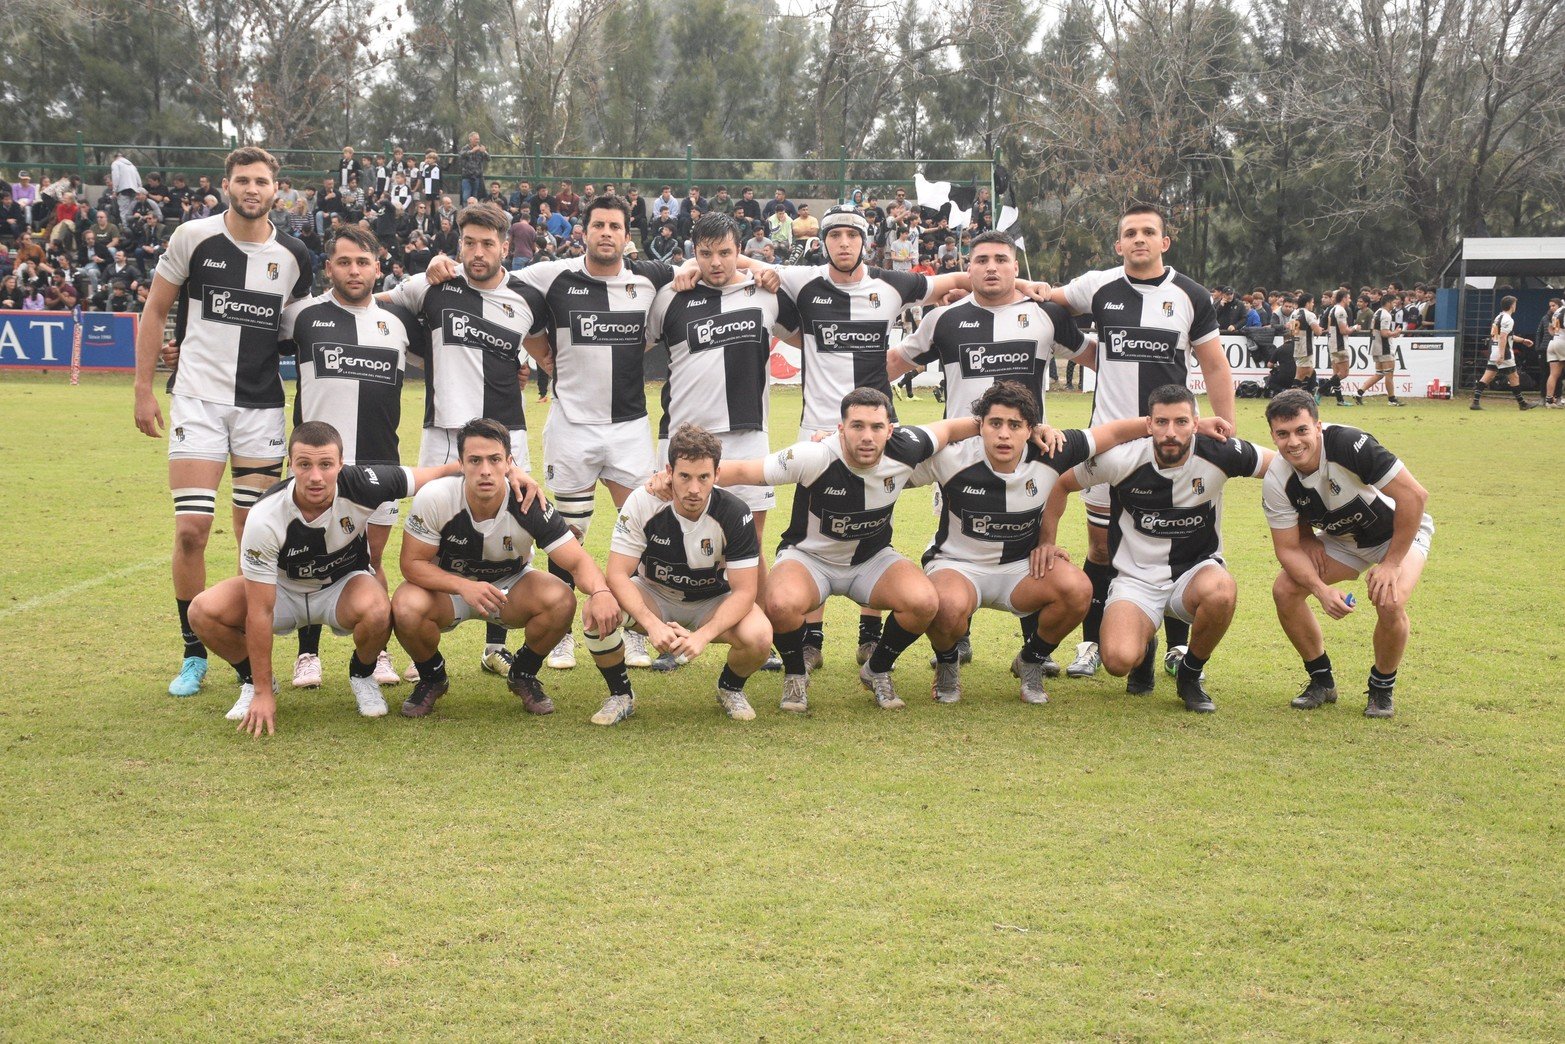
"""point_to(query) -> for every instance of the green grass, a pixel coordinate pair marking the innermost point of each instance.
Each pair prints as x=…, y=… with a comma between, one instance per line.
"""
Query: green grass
x=1102, y=867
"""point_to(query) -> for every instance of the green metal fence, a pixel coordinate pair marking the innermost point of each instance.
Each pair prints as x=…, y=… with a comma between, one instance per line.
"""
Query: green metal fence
x=807, y=176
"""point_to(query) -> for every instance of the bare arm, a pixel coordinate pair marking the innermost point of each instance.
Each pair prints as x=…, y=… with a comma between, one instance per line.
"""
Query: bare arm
x=1384, y=578
x=600, y=612
x=741, y=473
x=743, y=585
x=1219, y=379
x=149, y=341
x=260, y=602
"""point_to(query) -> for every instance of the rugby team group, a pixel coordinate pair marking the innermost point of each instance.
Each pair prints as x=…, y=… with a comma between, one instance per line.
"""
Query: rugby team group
x=685, y=566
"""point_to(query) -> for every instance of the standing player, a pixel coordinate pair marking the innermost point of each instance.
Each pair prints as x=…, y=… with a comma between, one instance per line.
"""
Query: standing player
x=1338, y=328
x=1166, y=518
x=686, y=571
x=1556, y=358
x=1383, y=330
x=1150, y=320
x=232, y=275
x=467, y=552
x=478, y=322
x=1304, y=326
x=1502, y=356
x=305, y=560
x=992, y=493
x=1338, y=504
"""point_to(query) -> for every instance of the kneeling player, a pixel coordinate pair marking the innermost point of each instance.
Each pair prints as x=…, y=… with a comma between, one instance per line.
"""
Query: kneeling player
x=468, y=553
x=992, y=494
x=305, y=560
x=1339, y=503
x=1165, y=540
x=686, y=571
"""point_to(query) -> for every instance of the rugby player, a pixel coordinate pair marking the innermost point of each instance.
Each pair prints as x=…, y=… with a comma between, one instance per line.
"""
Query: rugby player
x=467, y=552
x=686, y=570
x=1338, y=329
x=232, y=275
x=1383, y=330
x=1340, y=504
x=1502, y=356
x=1556, y=358
x=1304, y=326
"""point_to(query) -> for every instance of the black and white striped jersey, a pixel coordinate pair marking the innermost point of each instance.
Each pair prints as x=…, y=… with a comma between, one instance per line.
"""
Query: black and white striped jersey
x=351, y=364
x=1336, y=340
x=231, y=301
x=986, y=517
x=1303, y=321
x=1163, y=522
x=1381, y=325
x=842, y=514
x=719, y=350
x=687, y=560
x=1145, y=331
x=1342, y=498
x=475, y=347
x=1503, y=326
x=281, y=547
x=487, y=550
x=977, y=346
x=598, y=329
x=847, y=330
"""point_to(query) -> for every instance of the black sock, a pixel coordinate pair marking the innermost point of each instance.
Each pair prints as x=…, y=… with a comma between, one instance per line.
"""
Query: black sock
x=526, y=662
x=193, y=646
x=892, y=642
x=563, y=573
x=947, y=655
x=618, y=678
x=359, y=669
x=310, y=640
x=494, y=634
x=1190, y=667
x=870, y=629
x=1517, y=391
x=1101, y=575
x=1038, y=648
x=814, y=636
x=432, y=669
x=1320, y=671
x=1176, y=630
x=1029, y=627
x=1379, y=679
x=790, y=646
x=730, y=681
x=242, y=668
x=1147, y=668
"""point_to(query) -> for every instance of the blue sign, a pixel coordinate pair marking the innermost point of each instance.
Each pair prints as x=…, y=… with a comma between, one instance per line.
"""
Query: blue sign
x=43, y=339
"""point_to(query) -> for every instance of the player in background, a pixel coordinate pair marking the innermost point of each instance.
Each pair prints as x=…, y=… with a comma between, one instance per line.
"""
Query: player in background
x=231, y=275
x=1384, y=328
x=1340, y=504
x=1502, y=356
x=1339, y=327
x=1304, y=326
x=1556, y=358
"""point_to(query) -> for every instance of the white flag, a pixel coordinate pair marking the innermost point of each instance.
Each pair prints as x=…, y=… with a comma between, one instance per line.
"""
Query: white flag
x=1021, y=242
x=1008, y=216
x=931, y=194
x=959, y=218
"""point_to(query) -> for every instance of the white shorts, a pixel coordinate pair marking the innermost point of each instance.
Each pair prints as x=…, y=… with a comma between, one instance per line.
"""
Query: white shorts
x=1156, y=600
x=1303, y=354
x=1360, y=559
x=201, y=430
x=462, y=611
x=293, y=610
x=994, y=584
x=1494, y=359
x=577, y=456
x=437, y=448
x=1379, y=354
x=854, y=581
x=688, y=615
x=740, y=445
x=1096, y=499
x=1557, y=350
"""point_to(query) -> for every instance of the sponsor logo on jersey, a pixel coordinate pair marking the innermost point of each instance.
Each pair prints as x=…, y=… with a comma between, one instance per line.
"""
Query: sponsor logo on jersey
x=856, y=525
x=973, y=491
x=1168, y=523
x=683, y=579
x=577, y=290
x=997, y=359
x=654, y=538
x=1113, y=306
x=254, y=555
x=472, y=331
x=608, y=327
x=835, y=491
x=706, y=546
x=967, y=325
x=720, y=331
x=1142, y=344
x=222, y=304
x=213, y=262
x=818, y=299
x=848, y=336
x=999, y=525
x=356, y=363
x=323, y=324
x=417, y=522
x=1198, y=486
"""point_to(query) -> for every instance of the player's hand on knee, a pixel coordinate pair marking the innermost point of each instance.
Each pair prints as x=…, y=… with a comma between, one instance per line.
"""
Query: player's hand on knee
x=1316, y=550
x=1385, y=587
x=1043, y=558
x=524, y=488
x=663, y=636
x=1047, y=438
x=600, y=613
x=262, y=715
x=486, y=598
x=1335, y=603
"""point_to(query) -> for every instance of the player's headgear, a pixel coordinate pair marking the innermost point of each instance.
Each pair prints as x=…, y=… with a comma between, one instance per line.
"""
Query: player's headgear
x=844, y=216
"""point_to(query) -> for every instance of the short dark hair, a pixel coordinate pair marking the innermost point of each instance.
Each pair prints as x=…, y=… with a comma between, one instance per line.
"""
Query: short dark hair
x=485, y=215
x=1146, y=208
x=693, y=442
x=1506, y=302
x=245, y=155
x=482, y=428
x=355, y=235
x=606, y=203
x=865, y=397
x=313, y=433
x=1171, y=395
x=714, y=228
x=1290, y=404
x=1007, y=393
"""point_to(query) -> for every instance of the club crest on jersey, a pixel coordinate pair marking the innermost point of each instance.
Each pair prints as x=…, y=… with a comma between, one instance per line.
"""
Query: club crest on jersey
x=506, y=542
x=1336, y=490
x=1168, y=308
x=1023, y=321
x=749, y=291
x=706, y=546
x=271, y=270
x=380, y=324
x=510, y=313
x=346, y=524
x=874, y=299
x=1198, y=486
x=1031, y=487
x=630, y=291
x=890, y=484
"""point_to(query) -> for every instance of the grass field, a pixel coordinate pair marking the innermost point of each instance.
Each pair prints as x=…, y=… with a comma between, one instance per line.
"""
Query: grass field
x=1103, y=867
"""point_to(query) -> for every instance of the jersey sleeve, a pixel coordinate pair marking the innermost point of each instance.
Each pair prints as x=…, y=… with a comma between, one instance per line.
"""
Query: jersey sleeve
x=629, y=536
x=174, y=265
x=1203, y=320
x=259, y=551
x=541, y=275
x=1080, y=291
x=410, y=292
x=800, y=463
x=911, y=445
x=416, y=334
x=918, y=347
x=1078, y=449
x=306, y=264
x=787, y=323
x=912, y=287
x=1280, y=512
x=1360, y=453
x=543, y=521
x=1236, y=458
x=370, y=485
x=285, y=326
x=658, y=273
x=1109, y=466
x=658, y=312
x=741, y=549
x=426, y=517
x=1067, y=334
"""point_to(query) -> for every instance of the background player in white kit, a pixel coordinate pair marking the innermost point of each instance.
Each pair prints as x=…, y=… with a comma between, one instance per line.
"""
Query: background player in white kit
x=1338, y=504
x=1384, y=329
x=1556, y=358
x=686, y=570
x=231, y=274
x=1502, y=356
x=1339, y=327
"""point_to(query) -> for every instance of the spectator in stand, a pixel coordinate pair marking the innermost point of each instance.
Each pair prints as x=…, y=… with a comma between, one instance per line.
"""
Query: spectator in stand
x=663, y=245
x=33, y=299
x=554, y=224
x=567, y=202
x=665, y=206
x=747, y=206
x=520, y=200
x=148, y=243
x=446, y=209
x=395, y=278
x=5, y=261
x=401, y=193
x=386, y=226
x=524, y=240
x=471, y=163
x=806, y=224
x=445, y=240
x=327, y=203
x=353, y=203
x=429, y=175
x=638, y=213
x=755, y=246
x=983, y=211
x=779, y=201
x=779, y=224
x=11, y=293
x=543, y=195
x=415, y=258
x=902, y=253
x=13, y=220
x=496, y=195
x=346, y=167
x=204, y=189
x=423, y=219
x=721, y=203
x=380, y=174
x=947, y=251
x=769, y=255
x=60, y=293
x=25, y=195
